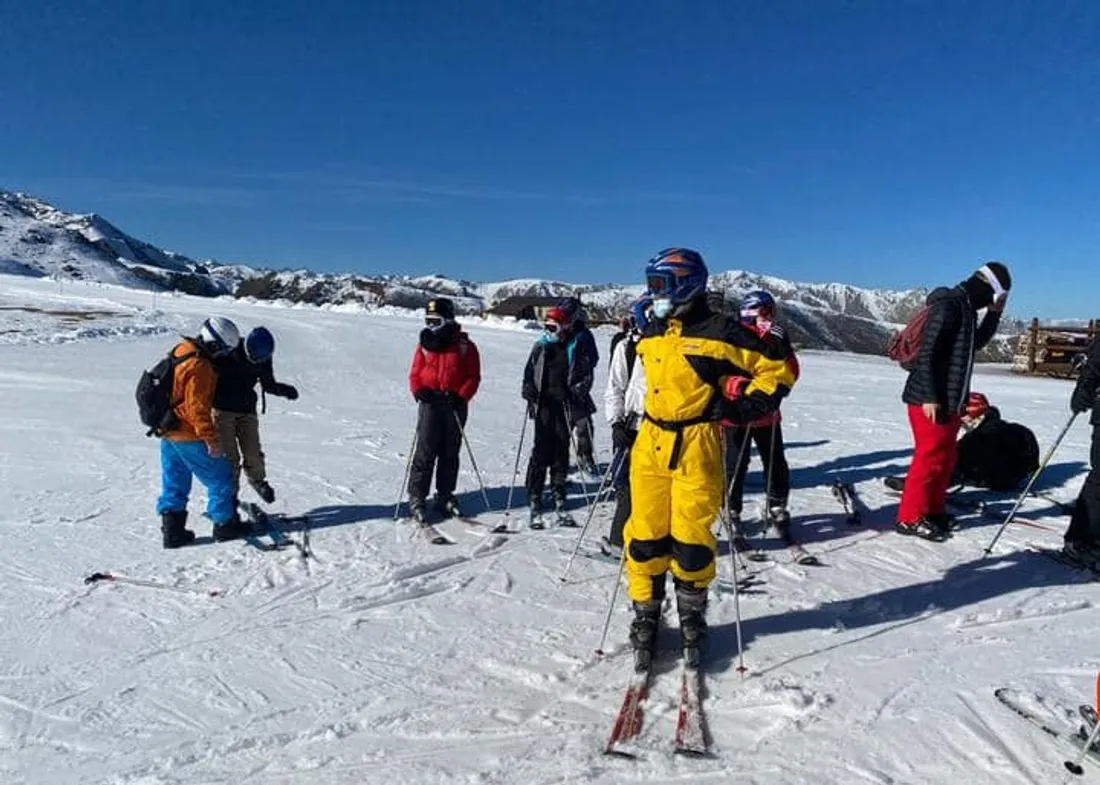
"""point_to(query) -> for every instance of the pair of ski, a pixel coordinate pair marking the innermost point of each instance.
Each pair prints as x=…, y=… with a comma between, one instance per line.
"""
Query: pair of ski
x=437, y=536
x=278, y=539
x=1077, y=740
x=691, y=736
x=428, y=530
x=798, y=554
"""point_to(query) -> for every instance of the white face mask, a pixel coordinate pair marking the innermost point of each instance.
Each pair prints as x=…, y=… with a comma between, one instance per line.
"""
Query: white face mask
x=662, y=307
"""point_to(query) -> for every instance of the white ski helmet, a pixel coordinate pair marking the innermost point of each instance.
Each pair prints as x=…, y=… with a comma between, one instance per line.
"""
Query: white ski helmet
x=220, y=335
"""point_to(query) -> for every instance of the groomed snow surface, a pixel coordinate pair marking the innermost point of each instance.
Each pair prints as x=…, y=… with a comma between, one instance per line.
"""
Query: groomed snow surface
x=386, y=659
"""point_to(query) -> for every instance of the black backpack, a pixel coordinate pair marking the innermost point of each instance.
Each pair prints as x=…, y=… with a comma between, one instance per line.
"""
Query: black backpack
x=154, y=395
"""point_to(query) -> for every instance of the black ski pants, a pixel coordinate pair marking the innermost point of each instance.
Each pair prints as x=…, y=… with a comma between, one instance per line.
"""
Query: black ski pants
x=550, y=451
x=774, y=460
x=1084, y=525
x=438, y=446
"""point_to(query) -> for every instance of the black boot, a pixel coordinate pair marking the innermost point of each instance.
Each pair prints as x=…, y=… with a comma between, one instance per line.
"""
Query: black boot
x=643, y=633
x=781, y=520
x=173, y=531
x=691, y=603
x=265, y=491
x=558, y=492
x=234, y=530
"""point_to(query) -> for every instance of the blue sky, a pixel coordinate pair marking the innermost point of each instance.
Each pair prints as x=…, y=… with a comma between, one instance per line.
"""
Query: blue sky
x=889, y=143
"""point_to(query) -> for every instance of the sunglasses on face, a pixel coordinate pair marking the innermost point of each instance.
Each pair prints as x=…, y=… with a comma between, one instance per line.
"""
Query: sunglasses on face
x=433, y=321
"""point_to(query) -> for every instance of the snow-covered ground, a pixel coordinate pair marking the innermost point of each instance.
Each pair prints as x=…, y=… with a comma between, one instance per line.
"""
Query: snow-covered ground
x=387, y=659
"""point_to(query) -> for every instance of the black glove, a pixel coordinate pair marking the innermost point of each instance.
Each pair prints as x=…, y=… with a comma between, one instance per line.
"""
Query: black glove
x=530, y=394
x=745, y=410
x=289, y=391
x=454, y=399
x=1082, y=400
x=621, y=436
x=532, y=409
x=425, y=395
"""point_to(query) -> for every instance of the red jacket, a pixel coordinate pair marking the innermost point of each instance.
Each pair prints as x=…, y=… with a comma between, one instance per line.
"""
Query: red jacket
x=763, y=329
x=450, y=366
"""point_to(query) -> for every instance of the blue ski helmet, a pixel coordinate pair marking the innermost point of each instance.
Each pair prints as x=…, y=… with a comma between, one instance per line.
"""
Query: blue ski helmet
x=259, y=345
x=676, y=274
x=758, y=303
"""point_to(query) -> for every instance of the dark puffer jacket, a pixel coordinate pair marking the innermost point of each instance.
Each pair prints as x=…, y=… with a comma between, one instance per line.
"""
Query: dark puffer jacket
x=952, y=336
x=1088, y=383
x=997, y=454
x=237, y=378
x=561, y=374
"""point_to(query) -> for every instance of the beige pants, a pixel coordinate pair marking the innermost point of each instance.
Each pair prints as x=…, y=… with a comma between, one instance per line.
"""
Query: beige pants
x=240, y=439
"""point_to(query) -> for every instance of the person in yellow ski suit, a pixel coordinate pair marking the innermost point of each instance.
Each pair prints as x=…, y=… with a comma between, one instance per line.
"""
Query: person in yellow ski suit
x=701, y=367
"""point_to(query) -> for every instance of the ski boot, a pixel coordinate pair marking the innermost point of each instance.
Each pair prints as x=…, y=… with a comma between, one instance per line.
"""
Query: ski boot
x=781, y=520
x=561, y=515
x=418, y=511
x=173, y=530
x=739, y=542
x=643, y=633
x=691, y=604
x=235, y=529
x=923, y=528
x=1083, y=553
x=448, y=507
x=944, y=521
x=535, y=518
x=264, y=491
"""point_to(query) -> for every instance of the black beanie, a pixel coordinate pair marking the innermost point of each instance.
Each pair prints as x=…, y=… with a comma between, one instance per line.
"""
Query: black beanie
x=441, y=307
x=1000, y=272
x=981, y=290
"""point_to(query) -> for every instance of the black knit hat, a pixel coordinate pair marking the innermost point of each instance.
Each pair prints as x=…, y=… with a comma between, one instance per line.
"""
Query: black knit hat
x=441, y=307
x=999, y=274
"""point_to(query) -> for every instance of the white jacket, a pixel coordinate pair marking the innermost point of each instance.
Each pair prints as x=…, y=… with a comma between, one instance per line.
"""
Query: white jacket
x=625, y=394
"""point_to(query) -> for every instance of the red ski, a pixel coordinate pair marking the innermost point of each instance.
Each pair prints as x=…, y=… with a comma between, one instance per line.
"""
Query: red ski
x=691, y=723
x=628, y=722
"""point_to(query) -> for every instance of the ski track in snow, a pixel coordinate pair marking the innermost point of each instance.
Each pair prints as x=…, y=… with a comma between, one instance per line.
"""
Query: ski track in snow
x=389, y=659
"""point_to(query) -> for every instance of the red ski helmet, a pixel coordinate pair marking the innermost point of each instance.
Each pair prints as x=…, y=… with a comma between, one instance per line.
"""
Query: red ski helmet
x=976, y=405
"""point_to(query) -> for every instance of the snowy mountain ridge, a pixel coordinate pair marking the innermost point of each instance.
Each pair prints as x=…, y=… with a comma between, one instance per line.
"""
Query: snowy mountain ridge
x=38, y=239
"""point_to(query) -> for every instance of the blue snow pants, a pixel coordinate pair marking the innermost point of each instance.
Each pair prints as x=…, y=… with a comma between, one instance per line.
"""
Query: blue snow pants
x=178, y=462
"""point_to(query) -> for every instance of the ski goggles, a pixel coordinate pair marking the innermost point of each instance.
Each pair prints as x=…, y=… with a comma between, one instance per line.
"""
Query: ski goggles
x=660, y=284
x=552, y=327
x=433, y=321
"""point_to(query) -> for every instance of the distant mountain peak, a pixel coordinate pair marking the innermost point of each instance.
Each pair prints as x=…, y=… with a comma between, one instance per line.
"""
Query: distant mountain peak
x=38, y=239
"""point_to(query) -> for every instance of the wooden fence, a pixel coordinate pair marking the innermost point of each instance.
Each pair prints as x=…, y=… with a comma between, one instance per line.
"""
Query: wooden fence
x=1054, y=351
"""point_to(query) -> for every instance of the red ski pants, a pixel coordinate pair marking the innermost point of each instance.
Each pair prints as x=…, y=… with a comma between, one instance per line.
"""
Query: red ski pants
x=934, y=457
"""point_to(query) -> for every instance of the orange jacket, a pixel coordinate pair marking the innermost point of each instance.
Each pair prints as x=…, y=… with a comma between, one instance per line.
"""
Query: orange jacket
x=193, y=386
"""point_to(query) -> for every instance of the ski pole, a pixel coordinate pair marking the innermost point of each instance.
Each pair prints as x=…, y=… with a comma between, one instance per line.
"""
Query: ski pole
x=736, y=589
x=515, y=469
x=611, y=604
x=1075, y=765
x=473, y=463
x=408, y=471
x=604, y=483
x=733, y=479
x=1034, y=477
